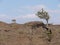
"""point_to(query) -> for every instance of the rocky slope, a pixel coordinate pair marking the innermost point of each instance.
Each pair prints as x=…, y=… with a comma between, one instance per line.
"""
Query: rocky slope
x=31, y=33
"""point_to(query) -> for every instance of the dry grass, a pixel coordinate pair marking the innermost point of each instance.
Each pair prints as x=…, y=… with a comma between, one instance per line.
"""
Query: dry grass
x=22, y=34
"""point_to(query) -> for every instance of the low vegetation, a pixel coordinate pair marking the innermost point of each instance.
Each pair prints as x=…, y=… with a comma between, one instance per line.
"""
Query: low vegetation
x=34, y=33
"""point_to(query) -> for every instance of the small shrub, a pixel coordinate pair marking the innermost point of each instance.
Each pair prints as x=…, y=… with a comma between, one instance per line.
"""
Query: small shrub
x=49, y=35
x=6, y=30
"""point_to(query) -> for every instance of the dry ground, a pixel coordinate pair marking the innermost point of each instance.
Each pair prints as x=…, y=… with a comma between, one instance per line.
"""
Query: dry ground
x=24, y=34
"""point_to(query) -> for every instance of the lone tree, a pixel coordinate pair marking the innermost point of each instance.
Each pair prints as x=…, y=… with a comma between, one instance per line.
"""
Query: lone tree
x=43, y=15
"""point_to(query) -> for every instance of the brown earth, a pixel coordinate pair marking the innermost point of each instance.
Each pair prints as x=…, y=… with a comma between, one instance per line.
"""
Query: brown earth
x=31, y=33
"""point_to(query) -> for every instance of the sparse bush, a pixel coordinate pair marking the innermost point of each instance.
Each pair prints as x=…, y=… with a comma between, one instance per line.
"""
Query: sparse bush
x=6, y=30
x=49, y=35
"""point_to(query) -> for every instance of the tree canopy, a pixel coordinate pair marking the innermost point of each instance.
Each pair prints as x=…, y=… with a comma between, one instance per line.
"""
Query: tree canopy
x=43, y=15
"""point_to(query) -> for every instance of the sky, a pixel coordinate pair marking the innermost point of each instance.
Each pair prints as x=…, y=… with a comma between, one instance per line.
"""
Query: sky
x=24, y=10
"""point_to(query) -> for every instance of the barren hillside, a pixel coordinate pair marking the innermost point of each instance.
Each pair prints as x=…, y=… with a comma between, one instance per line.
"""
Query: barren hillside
x=31, y=33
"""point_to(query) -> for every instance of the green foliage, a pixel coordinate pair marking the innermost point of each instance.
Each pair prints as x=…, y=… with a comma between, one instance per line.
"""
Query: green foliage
x=49, y=35
x=43, y=15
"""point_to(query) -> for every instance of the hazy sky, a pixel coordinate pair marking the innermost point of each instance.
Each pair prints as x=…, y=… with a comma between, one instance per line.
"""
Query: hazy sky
x=25, y=10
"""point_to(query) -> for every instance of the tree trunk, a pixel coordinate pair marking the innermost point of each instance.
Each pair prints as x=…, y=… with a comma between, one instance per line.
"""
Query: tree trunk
x=47, y=22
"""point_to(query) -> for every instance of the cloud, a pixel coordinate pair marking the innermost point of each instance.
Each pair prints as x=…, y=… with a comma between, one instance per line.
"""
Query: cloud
x=4, y=16
x=56, y=11
x=37, y=7
x=27, y=16
x=34, y=8
x=59, y=5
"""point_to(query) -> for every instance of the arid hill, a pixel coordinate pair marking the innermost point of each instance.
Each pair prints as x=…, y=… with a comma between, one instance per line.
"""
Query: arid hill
x=31, y=33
